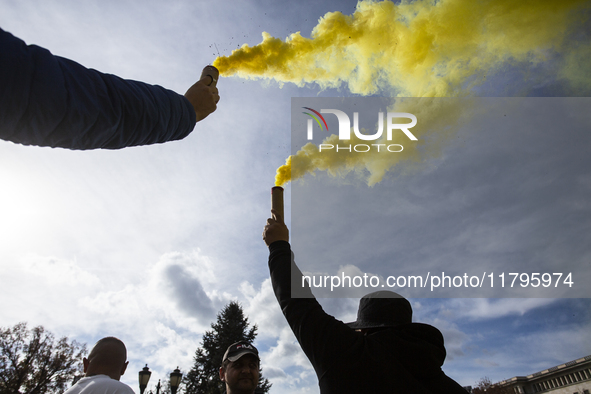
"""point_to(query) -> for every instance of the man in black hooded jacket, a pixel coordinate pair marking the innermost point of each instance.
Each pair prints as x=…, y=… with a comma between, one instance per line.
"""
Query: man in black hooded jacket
x=382, y=352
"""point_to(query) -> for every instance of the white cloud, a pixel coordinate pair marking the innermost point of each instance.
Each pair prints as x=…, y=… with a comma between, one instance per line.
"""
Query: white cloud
x=486, y=363
x=262, y=308
x=183, y=277
x=273, y=373
x=58, y=272
x=482, y=308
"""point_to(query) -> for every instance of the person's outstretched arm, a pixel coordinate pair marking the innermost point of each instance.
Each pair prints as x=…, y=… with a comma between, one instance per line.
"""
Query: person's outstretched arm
x=48, y=100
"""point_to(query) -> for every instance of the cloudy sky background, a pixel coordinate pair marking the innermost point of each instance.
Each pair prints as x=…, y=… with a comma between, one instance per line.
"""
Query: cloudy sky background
x=139, y=243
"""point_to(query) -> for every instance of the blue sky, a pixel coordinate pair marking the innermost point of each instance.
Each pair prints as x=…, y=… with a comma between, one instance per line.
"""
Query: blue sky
x=139, y=243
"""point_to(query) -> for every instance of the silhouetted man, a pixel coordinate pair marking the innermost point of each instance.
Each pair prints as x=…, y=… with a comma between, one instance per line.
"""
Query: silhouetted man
x=103, y=368
x=381, y=352
x=240, y=368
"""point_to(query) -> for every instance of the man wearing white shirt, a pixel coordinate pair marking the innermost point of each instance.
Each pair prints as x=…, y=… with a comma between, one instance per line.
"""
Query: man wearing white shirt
x=103, y=368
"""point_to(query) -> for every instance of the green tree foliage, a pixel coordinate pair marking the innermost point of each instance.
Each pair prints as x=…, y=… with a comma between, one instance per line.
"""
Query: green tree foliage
x=231, y=326
x=33, y=362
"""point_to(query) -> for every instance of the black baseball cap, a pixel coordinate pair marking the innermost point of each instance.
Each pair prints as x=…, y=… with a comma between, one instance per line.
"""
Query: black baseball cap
x=239, y=349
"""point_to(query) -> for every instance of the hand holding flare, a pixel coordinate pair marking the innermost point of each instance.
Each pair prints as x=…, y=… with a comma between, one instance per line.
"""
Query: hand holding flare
x=276, y=230
x=204, y=94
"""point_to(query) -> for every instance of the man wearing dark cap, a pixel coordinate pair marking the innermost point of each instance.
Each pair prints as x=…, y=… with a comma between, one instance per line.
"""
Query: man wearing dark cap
x=381, y=352
x=103, y=368
x=240, y=368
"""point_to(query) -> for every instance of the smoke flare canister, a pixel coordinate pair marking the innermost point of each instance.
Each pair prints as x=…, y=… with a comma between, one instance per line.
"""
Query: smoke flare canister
x=277, y=200
x=212, y=72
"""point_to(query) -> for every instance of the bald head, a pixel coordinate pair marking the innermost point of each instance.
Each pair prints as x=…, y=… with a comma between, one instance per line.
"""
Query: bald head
x=107, y=357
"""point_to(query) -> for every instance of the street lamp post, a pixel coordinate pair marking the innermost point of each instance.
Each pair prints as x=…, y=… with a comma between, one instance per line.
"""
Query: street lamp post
x=175, y=380
x=144, y=377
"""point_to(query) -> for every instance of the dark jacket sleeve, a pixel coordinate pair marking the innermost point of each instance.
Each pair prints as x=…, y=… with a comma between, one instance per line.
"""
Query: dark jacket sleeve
x=317, y=332
x=48, y=100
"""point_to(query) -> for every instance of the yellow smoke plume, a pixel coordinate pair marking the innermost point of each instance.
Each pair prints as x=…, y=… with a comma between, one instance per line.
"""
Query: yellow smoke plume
x=423, y=48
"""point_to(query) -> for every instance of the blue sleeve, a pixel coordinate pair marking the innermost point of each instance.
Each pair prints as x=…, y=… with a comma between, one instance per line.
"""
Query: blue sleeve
x=51, y=101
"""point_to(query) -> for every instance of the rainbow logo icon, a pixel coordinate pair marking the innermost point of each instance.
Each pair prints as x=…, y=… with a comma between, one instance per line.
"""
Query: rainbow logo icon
x=316, y=118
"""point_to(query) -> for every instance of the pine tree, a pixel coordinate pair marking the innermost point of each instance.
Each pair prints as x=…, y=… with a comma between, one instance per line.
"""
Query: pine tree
x=231, y=326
